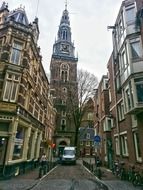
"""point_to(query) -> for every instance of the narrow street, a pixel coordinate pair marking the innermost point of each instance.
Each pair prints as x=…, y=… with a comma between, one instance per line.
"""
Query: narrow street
x=66, y=177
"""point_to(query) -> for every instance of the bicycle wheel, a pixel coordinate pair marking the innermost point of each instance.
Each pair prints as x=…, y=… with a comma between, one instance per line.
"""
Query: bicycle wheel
x=137, y=180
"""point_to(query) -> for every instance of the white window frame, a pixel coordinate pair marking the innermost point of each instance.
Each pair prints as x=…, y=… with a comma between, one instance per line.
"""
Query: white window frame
x=121, y=115
x=124, y=145
x=139, y=82
x=11, y=87
x=132, y=14
x=87, y=143
x=106, y=126
x=16, y=52
x=137, y=41
x=117, y=145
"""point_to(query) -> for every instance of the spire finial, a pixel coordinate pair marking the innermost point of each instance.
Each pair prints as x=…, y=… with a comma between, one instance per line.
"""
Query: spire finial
x=66, y=4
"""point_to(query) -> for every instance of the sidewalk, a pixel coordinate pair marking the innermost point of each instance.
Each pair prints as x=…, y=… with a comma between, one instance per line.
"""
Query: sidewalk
x=33, y=174
x=106, y=173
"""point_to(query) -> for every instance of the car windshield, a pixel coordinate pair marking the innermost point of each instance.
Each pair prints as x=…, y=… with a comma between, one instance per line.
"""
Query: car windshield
x=69, y=152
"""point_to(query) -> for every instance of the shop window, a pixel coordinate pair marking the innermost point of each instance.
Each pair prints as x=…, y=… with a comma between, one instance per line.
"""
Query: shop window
x=19, y=143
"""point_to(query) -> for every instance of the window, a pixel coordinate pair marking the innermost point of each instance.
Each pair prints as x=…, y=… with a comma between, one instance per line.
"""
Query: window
x=137, y=146
x=118, y=81
x=16, y=53
x=127, y=99
x=11, y=87
x=64, y=35
x=117, y=147
x=90, y=116
x=30, y=143
x=110, y=97
x=63, y=113
x=139, y=89
x=124, y=145
x=124, y=60
x=134, y=121
x=37, y=138
x=136, y=52
x=107, y=124
x=120, y=28
x=65, y=90
x=87, y=143
x=63, y=102
x=88, y=136
x=121, y=111
x=63, y=124
x=19, y=143
x=0, y=46
x=130, y=15
x=64, y=72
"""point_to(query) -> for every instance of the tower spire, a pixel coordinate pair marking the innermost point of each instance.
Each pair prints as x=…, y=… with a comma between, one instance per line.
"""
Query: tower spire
x=66, y=4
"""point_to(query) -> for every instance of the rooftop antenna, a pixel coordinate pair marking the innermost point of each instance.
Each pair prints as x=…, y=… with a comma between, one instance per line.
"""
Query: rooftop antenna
x=37, y=8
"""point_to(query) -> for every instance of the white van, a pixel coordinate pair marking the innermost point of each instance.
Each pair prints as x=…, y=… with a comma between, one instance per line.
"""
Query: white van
x=69, y=155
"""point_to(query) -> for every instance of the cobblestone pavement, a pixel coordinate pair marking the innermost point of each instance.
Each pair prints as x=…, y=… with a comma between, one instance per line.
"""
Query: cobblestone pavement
x=82, y=180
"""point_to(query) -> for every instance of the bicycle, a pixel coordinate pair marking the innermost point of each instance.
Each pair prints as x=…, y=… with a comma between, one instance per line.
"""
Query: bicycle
x=138, y=179
x=131, y=173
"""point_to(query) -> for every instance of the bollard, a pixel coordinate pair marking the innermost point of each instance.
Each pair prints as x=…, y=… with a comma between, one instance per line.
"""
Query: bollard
x=98, y=173
x=40, y=171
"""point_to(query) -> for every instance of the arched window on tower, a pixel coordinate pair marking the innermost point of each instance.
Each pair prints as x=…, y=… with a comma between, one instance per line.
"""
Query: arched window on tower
x=64, y=70
x=65, y=90
x=64, y=35
x=63, y=124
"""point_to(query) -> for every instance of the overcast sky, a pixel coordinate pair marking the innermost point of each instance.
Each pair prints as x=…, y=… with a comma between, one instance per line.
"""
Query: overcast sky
x=89, y=20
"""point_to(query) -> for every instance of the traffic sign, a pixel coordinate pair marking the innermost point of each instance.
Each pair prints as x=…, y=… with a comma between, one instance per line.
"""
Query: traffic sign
x=97, y=138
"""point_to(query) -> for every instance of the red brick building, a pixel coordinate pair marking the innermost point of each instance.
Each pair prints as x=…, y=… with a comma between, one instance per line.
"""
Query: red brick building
x=125, y=91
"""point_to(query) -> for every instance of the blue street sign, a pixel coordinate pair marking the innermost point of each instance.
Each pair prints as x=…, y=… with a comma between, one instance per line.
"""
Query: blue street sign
x=97, y=138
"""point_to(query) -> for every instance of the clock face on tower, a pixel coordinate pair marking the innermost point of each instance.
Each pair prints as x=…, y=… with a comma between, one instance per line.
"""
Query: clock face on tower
x=65, y=48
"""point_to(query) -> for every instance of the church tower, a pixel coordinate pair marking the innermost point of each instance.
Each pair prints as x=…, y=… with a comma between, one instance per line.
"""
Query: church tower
x=63, y=82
